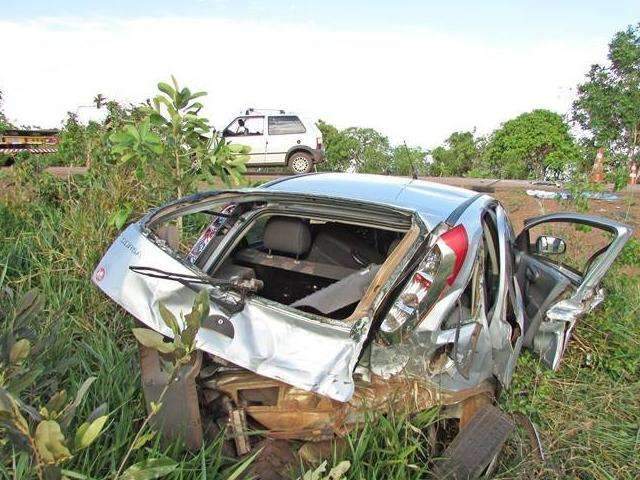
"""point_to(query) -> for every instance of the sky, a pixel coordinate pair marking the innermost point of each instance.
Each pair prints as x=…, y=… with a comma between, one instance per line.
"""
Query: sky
x=415, y=70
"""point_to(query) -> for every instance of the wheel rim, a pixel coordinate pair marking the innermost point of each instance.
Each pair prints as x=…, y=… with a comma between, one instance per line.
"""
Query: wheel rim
x=300, y=164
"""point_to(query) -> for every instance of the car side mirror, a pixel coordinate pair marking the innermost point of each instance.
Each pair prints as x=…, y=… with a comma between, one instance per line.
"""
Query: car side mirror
x=547, y=245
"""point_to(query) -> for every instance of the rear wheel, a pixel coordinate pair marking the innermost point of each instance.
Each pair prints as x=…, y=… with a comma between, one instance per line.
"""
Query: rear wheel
x=300, y=162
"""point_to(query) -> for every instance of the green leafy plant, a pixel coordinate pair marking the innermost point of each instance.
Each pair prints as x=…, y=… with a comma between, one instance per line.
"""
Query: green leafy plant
x=46, y=433
x=630, y=254
x=194, y=149
x=619, y=177
x=173, y=141
x=577, y=187
x=137, y=144
x=16, y=341
x=119, y=217
x=176, y=353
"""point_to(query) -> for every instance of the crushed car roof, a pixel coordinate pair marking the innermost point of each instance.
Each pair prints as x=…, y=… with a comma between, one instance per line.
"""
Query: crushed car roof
x=428, y=198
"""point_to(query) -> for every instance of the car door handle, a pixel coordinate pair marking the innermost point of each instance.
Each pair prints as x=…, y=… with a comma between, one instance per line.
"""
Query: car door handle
x=532, y=274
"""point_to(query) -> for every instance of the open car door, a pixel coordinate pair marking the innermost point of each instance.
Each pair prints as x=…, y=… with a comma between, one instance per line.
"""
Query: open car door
x=559, y=275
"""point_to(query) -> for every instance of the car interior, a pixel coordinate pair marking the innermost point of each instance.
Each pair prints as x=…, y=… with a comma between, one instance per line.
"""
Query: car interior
x=318, y=266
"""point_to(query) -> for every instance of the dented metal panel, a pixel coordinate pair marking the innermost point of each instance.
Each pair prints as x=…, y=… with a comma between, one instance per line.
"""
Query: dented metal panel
x=421, y=354
x=551, y=340
x=282, y=345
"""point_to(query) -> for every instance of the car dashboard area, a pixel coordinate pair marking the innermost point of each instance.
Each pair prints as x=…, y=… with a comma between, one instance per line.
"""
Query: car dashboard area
x=319, y=267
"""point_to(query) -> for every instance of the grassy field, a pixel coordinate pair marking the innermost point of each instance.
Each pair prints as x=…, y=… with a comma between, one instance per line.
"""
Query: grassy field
x=54, y=232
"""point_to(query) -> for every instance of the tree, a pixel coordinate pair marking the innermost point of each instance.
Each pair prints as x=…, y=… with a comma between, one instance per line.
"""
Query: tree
x=356, y=149
x=370, y=151
x=407, y=161
x=535, y=144
x=608, y=103
x=99, y=100
x=337, y=148
x=366, y=150
x=457, y=156
x=4, y=123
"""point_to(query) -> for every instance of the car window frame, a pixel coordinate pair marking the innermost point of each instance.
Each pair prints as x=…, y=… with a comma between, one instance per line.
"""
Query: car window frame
x=597, y=270
x=494, y=231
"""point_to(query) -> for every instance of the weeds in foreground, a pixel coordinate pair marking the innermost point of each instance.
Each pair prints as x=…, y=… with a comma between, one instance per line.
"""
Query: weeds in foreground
x=45, y=433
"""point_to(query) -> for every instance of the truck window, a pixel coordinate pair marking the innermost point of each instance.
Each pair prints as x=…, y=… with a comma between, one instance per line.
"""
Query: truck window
x=284, y=125
x=245, y=126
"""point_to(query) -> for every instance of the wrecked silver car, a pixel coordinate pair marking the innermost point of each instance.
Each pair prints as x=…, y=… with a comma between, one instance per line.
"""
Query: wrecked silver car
x=332, y=294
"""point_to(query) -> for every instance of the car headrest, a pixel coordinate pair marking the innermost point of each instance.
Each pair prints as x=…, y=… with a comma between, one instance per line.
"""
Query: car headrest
x=287, y=235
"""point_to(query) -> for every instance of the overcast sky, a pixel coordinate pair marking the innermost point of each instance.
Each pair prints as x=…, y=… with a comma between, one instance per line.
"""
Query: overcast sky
x=415, y=70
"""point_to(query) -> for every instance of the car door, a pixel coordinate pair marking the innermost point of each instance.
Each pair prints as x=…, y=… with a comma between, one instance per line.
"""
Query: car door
x=559, y=277
x=248, y=130
x=283, y=133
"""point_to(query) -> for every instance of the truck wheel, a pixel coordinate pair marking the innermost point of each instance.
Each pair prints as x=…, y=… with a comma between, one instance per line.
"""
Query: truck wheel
x=300, y=162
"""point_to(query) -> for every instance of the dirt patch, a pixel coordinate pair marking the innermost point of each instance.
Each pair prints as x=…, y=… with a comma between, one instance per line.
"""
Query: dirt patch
x=521, y=206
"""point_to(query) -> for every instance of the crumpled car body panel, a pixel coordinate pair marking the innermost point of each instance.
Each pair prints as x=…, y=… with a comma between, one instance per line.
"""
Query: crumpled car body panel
x=313, y=356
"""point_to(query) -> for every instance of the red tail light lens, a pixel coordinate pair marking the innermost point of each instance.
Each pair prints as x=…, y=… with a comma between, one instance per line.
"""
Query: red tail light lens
x=458, y=241
x=413, y=295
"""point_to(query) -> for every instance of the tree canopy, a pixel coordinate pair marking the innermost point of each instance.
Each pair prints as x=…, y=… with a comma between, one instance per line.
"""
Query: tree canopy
x=366, y=150
x=535, y=144
x=608, y=103
x=407, y=161
x=457, y=156
x=4, y=123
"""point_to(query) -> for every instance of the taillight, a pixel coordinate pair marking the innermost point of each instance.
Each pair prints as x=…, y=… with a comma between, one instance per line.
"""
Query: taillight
x=413, y=294
x=427, y=282
x=319, y=143
x=458, y=241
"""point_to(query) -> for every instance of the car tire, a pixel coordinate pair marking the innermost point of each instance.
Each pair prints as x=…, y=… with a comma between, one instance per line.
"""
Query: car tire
x=300, y=162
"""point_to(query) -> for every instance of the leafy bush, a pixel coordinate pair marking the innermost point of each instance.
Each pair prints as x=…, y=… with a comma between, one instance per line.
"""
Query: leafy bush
x=457, y=157
x=173, y=140
x=45, y=433
x=630, y=254
x=537, y=144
